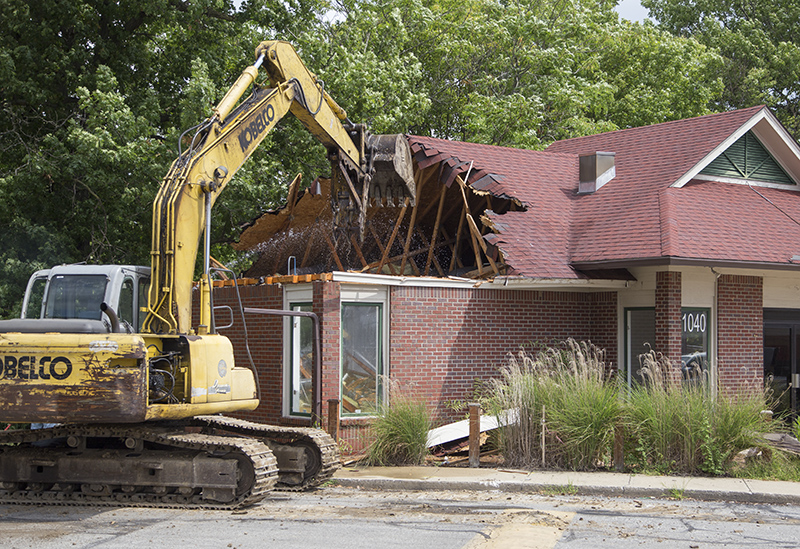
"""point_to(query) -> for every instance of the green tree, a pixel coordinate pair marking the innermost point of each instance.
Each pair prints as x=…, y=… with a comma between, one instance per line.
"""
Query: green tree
x=525, y=74
x=758, y=41
x=93, y=96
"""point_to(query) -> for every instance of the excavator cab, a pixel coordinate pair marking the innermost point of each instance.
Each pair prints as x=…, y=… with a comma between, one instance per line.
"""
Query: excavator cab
x=83, y=299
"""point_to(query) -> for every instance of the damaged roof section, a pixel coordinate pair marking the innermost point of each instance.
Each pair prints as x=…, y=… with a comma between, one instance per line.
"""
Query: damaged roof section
x=483, y=211
x=447, y=232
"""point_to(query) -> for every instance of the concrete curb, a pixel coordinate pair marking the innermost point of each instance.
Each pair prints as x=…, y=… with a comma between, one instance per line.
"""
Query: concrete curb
x=630, y=486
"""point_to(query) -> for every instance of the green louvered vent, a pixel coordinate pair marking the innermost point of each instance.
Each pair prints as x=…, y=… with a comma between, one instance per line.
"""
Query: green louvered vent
x=748, y=159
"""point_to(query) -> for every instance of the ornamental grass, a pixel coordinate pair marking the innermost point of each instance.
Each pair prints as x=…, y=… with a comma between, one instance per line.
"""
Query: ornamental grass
x=564, y=409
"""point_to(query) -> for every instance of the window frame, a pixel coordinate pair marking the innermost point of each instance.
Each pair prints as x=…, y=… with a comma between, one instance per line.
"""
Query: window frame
x=297, y=295
x=292, y=321
x=368, y=296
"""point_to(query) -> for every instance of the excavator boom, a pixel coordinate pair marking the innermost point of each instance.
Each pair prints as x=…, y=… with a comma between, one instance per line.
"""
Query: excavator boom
x=366, y=169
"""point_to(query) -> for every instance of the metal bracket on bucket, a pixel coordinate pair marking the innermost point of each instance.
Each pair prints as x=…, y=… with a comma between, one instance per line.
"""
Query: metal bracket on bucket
x=387, y=180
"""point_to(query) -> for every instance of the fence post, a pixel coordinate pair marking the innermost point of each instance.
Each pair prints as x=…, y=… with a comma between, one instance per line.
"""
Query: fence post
x=474, y=435
x=333, y=418
x=619, y=448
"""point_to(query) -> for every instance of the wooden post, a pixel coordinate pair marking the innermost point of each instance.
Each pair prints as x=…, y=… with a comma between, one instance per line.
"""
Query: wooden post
x=474, y=435
x=357, y=248
x=457, y=247
x=380, y=247
x=333, y=418
x=619, y=452
x=333, y=250
x=436, y=233
x=411, y=227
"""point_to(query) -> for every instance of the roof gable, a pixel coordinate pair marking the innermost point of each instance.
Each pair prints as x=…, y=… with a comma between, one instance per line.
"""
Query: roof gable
x=747, y=159
x=771, y=135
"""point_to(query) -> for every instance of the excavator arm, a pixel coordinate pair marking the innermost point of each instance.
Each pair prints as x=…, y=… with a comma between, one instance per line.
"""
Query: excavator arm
x=366, y=168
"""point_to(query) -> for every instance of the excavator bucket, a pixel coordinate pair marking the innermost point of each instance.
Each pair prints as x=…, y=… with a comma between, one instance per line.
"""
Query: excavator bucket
x=393, y=179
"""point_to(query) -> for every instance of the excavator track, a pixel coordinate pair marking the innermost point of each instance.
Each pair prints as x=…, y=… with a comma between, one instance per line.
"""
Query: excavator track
x=321, y=451
x=134, y=465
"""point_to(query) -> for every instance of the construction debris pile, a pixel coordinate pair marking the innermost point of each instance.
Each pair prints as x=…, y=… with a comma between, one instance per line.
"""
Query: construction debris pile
x=440, y=235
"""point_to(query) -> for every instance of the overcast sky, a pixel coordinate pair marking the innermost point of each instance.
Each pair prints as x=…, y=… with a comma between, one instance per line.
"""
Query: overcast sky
x=632, y=10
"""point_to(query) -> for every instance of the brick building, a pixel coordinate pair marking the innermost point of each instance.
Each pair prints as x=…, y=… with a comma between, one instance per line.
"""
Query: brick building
x=682, y=236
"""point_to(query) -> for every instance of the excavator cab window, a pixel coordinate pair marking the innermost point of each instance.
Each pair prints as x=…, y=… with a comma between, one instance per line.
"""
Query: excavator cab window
x=125, y=311
x=33, y=308
x=76, y=296
x=144, y=289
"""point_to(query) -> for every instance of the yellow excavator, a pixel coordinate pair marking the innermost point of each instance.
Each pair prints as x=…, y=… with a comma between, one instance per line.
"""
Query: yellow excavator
x=122, y=391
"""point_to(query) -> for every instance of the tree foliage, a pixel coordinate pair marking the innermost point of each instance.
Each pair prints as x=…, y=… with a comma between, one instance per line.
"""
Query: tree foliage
x=95, y=94
x=758, y=41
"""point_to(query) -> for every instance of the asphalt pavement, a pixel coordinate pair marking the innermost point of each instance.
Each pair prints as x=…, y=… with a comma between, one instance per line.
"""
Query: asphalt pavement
x=569, y=483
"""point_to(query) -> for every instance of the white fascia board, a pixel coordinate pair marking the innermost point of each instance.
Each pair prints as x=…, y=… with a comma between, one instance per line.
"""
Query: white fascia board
x=514, y=283
x=771, y=134
x=511, y=283
x=733, y=181
x=409, y=281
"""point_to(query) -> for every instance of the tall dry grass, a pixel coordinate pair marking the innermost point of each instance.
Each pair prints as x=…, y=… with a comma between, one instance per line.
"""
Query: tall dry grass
x=562, y=397
x=677, y=427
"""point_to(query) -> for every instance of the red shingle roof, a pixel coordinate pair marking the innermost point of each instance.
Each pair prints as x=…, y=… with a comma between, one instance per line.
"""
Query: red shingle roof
x=637, y=215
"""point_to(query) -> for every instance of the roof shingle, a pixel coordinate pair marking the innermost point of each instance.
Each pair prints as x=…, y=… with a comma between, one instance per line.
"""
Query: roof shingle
x=637, y=215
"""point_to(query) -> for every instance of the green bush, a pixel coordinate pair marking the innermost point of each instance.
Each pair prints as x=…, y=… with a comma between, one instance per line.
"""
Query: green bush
x=400, y=432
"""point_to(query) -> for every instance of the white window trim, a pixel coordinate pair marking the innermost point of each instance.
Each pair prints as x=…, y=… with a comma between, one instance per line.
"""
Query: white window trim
x=367, y=294
x=296, y=293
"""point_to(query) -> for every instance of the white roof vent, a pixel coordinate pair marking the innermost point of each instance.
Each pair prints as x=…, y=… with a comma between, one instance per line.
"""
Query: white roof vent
x=595, y=171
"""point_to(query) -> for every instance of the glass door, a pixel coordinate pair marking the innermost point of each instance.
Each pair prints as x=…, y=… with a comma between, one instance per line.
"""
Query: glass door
x=781, y=344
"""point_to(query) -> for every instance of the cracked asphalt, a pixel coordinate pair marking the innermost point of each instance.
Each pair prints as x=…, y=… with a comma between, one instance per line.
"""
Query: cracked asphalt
x=346, y=517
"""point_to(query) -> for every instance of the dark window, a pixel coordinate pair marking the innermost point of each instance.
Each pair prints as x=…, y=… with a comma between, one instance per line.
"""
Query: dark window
x=125, y=312
x=695, y=327
x=640, y=330
x=76, y=296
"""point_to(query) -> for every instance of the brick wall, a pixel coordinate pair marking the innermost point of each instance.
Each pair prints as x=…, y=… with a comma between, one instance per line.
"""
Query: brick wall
x=741, y=332
x=265, y=335
x=327, y=307
x=668, y=320
x=442, y=340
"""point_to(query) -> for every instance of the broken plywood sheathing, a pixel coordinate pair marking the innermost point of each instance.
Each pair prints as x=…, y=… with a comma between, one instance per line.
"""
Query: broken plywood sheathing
x=442, y=234
x=460, y=429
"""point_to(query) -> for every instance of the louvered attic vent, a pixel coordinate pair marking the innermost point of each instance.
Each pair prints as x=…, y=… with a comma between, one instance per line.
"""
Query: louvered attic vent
x=748, y=159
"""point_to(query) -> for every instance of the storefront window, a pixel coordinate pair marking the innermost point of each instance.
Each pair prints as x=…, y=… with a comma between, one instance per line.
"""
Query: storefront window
x=362, y=364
